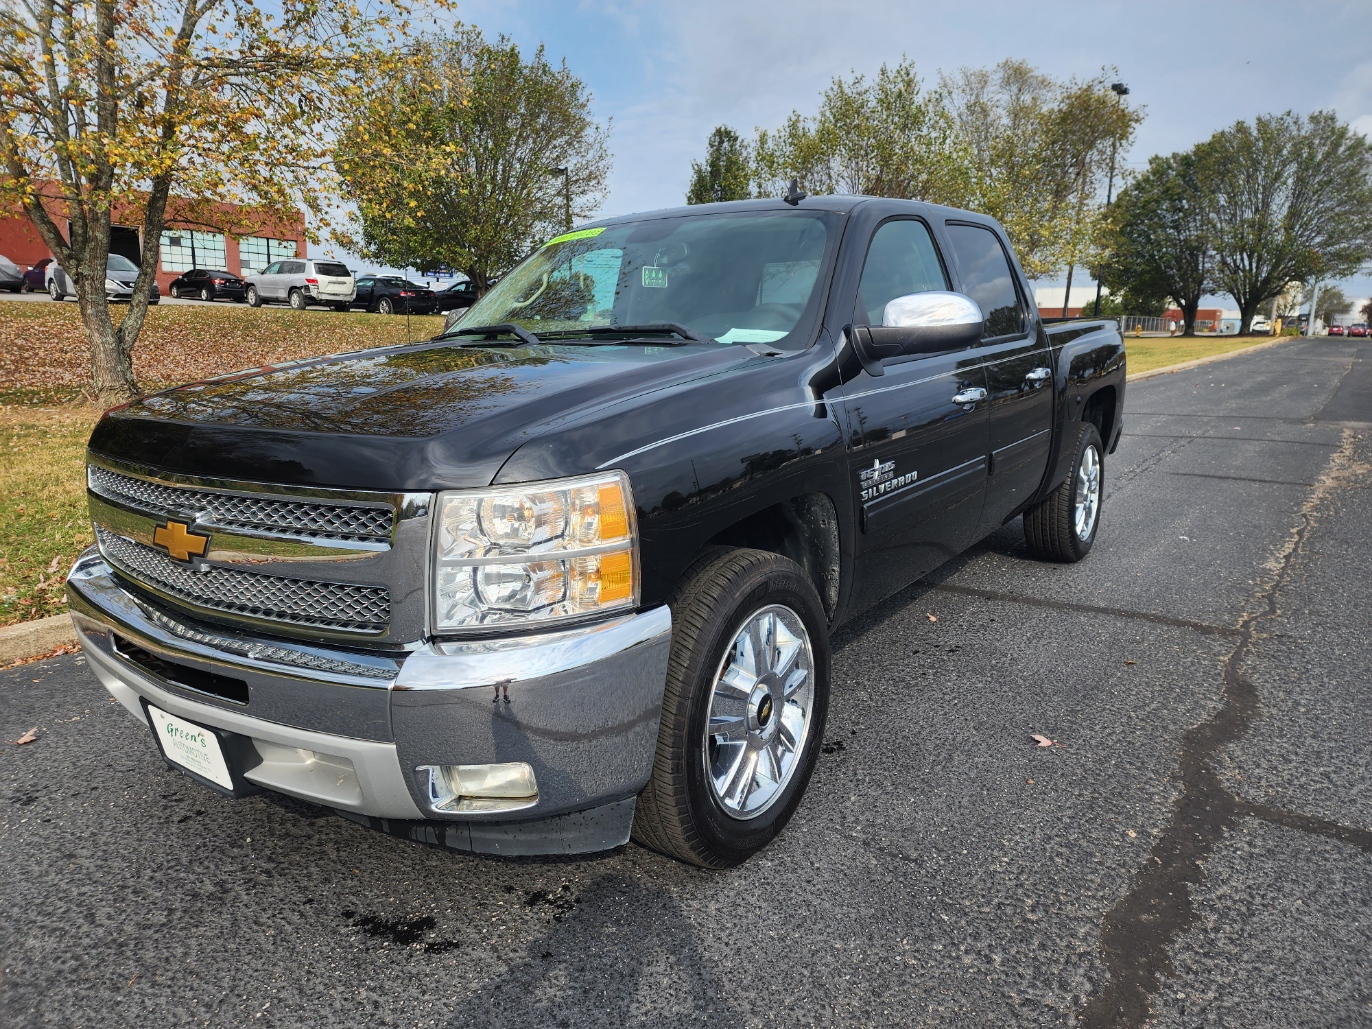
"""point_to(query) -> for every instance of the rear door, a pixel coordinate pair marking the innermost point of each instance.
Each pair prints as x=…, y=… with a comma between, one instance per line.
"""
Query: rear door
x=1019, y=376
x=917, y=445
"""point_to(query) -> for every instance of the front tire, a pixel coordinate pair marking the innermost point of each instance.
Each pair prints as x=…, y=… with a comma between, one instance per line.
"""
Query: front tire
x=53, y=291
x=743, y=712
x=176, y=292
x=298, y=301
x=1063, y=527
x=254, y=300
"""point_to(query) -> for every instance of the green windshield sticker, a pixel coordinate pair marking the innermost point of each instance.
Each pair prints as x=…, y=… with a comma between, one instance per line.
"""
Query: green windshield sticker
x=654, y=278
x=578, y=234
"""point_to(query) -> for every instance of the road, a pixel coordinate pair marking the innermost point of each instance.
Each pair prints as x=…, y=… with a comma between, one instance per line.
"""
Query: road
x=1199, y=845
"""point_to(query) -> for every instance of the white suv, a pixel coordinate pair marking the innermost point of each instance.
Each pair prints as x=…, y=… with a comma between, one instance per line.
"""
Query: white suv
x=301, y=282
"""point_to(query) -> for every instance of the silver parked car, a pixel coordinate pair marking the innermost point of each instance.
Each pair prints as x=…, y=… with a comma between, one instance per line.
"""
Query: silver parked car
x=120, y=275
x=301, y=282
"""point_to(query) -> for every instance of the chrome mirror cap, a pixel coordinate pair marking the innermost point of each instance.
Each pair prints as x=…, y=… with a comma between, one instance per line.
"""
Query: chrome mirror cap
x=939, y=309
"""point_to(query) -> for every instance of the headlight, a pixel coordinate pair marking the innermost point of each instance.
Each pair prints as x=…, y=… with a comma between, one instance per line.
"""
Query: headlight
x=541, y=553
x=111, y=286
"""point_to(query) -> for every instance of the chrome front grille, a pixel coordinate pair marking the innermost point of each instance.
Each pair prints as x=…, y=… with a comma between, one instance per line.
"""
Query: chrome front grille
x=333, y=606
x=317, y=519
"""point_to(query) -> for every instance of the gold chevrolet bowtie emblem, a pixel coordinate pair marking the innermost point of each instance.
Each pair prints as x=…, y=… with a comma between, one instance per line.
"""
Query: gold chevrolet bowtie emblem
x=180, y=544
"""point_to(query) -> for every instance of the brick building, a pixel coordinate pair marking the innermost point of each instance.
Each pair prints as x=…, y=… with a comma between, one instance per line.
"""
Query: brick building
x=216, y=236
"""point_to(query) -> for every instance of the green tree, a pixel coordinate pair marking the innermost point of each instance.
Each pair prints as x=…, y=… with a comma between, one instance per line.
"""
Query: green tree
x=449, y=160
x=1331, y=303
x=1291, y=202
x=1042, y=152
x=114, y=108
x=726, y=173
x=886, y=137
x=1157, y=243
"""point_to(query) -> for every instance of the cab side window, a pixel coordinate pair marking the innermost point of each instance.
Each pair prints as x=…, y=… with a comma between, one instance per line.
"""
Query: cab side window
x=987, y=279
x=900, y=260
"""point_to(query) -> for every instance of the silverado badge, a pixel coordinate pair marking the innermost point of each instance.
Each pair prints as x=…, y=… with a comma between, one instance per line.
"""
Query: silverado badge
x=881, y=479
x=179, y=542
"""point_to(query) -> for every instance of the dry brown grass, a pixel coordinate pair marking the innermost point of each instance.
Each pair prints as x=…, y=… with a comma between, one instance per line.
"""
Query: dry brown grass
x=44, y=354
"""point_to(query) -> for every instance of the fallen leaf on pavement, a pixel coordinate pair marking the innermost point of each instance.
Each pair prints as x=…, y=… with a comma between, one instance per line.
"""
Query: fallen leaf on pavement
x=28, y=737
x=1044, y=741
x=932, y=618
x=1131, y=661
x=1132, y=834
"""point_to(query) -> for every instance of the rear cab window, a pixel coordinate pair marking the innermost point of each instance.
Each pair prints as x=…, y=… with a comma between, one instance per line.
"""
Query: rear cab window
x=332, y=269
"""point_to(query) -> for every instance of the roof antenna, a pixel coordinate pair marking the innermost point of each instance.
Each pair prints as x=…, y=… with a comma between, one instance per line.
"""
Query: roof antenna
x=794, y=194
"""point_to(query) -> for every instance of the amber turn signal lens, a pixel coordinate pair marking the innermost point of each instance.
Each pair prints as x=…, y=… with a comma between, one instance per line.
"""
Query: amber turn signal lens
x=616, y=577
x=614, y=519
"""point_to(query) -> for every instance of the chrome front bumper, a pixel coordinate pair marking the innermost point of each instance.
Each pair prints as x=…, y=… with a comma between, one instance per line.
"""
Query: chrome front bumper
x=348, y=728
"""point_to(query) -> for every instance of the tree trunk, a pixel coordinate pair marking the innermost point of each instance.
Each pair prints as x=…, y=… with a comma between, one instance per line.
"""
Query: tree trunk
x=111, y=361
x=1188, y=316
x=1067, y=294
x=1246, y=313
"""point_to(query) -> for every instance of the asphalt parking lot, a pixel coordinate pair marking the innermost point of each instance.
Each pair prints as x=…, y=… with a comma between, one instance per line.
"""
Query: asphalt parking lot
x=1196, y=851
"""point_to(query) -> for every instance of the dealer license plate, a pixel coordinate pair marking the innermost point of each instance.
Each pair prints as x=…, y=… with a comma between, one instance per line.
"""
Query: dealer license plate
x=191, y=746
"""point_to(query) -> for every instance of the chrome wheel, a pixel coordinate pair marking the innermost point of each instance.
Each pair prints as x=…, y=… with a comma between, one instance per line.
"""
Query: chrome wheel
x=760, y=712
x=1087, y=503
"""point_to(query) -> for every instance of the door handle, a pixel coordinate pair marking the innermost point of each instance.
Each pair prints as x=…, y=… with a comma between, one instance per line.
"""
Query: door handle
x=1039, y=375
x=969, y=396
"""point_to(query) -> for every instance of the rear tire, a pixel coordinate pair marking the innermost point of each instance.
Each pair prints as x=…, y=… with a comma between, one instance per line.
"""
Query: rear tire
x=176, y=292
x=1063, y=527
x=298, y=301
x=741, y=725
x=205, y=293
x=385, y=306
x=254, y=300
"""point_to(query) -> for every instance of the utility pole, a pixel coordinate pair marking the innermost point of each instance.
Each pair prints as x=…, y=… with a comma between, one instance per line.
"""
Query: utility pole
x=566, y=195
x=1314, y=300
x=1121, y=91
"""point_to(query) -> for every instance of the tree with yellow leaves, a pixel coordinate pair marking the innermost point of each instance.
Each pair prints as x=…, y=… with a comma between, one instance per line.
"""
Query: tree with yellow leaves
x=108, y=108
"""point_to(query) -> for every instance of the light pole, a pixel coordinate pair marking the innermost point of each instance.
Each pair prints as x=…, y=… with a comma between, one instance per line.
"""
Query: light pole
x=1121, y=91
x=566, y=195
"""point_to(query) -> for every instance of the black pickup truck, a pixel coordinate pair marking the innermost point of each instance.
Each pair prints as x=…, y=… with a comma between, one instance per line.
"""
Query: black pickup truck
x=567, y=573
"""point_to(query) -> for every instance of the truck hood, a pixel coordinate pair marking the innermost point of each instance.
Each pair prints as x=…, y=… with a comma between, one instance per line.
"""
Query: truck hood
x=424, y=417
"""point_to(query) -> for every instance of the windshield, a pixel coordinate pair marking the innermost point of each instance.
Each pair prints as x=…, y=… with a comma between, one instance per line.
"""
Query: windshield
x=739, y=278
x=121, y=264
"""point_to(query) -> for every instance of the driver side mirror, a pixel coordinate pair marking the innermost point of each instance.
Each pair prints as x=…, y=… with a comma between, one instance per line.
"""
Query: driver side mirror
x=921, y=323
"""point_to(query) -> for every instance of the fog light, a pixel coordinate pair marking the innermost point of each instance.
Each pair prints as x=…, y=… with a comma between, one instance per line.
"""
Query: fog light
x=470, y=788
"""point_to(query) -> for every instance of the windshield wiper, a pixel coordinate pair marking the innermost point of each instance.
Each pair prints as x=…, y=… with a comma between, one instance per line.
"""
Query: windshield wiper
x=490, y=331
x=632, y=332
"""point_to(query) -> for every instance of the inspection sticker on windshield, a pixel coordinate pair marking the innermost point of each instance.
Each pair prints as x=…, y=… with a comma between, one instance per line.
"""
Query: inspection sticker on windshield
x=191, y=746
x=654, y=277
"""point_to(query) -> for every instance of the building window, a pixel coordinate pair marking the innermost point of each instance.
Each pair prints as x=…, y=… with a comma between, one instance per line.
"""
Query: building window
x=256, y=252
x=183, y=250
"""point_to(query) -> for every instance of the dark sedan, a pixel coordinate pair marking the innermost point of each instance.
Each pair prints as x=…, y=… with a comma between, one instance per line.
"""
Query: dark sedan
x=393, y=294
x=35, y=279
x=455, y=296
x=208, y=284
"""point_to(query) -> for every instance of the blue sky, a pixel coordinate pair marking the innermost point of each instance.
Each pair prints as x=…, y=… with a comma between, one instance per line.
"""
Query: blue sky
x=666, y=73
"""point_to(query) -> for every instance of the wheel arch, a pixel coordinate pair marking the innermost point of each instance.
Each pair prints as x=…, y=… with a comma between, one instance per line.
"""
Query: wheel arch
x=804, y=529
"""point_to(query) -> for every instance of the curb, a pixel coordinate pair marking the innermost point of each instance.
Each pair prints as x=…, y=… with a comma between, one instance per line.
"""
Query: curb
x=1185, y=365
x=37, y=637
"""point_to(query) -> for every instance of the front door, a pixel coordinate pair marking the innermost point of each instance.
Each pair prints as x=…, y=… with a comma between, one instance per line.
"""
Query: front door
x=916, y=432
x=1019, y=376
x=365, y=286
